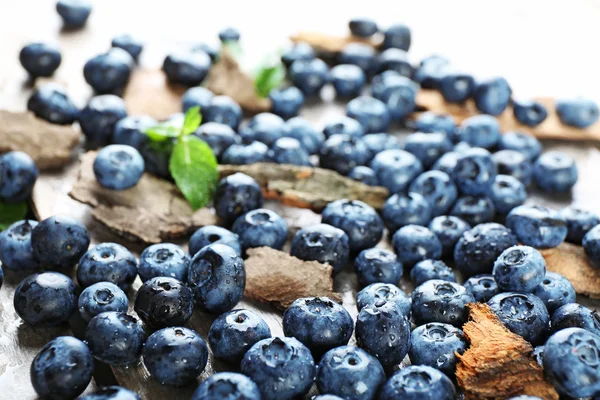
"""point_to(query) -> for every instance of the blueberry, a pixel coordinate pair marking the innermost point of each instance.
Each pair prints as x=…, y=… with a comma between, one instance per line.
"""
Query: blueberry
x=430, y=71
x=474, y=172
x=286, y=102
x=383, y=330
x=360, y=221
x=59, y=242
x=579, y=222
x=418, y=382
x=447, y=162
x=99, y=117
x=263, y=127
x=430, y=122
x=323, y=243
x=351, y=373
x=363, y=27
x=519, y=269
x=62, y=369
x=378, y=142
x=575, y=315
x=188, y=68
x=343, y=126
x=427, y=270
x=343, y=152
x=537, y=226
x=164, y=259
x=45, y=299
x=578, y=112
x=243, y=154
x=287, y=150
x=529, y=112
x=397, y=93
x=74, y=13
x=377, y=265
x=474, y=210
x=224, y=110
x=591, y=244
x=523, y=314
x=555, y=171
x=197, y=97
x=299, y=51
x=436, y=345
x=130, y=44
x=18, y=174
x=51, y=103
x=101, y=297
x=479, y=131
x=524, y=143
x=437, y=188
x=16, y=252
x=282, y=367
x=109, y=72
x=163, y=301
x=217, y=277
x=571, y=362
x=229, y=386
x=212, y=234
x=40, y=59
x=229, y=34
x=507, y=193
x=492, y=95
x=360, y=54
x=400, y=210
x=413, y=243
x=455, y=86
x=364, y=174
x=396, y=169
x=449, y=230
x=218, y=136
x=309, y=75
x=384, y=292
x=555, y=291
x=373, y=114
x=107, y=262
x=538, y=353
x=236, y=195
x=478, y=248
x=440, y=301
x=482, y=287
x=427, y=147
x=118, y=167
x=261, y=227
x=131, y=130
x=115, y=338
x=461, y=147
x=111, y=393
x=397, y=36
x=347, y=79
x=175, y=356
x=515, y=164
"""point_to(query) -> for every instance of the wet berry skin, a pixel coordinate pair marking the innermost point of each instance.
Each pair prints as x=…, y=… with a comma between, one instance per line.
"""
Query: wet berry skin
x=435, y=344
x=197, y=96
x=236, y=195
x=429, y=73
x=16, y=252
x=364, y=174
x=449, y=230
x=40, y=59
x=298, y=51
x=323, y=243
x=523, y=314
x=309, y=75
x=555, y=291
x=426, y=270
x=101, y=297
x=287, y=150
x=304, y=131
x=217, y=277
x=99, y=117
x=351, y=373
x=437, y=188
x=111, y=393
x=555, y=172
x=575, y=315
x=519, y=269
x=218, y=136
x=384, y=292
x=115, y=338
x=164, y=259
x=343, y=152
x=286, y=102
x=579, y=222
x=492, y=95
x=591, y=245
x=282, y=367
x=373, y=114
x=515, y=164
x=578, y=112
x=474, y=172
x=130, y=44
x=224, y=110
x=234, y=332
x=18, y=174
x=175, y=356
x=107, y=262
x=529, y=112
x=384, y=331
x=62, y=369
x=264, y=127
x=474, y=209
x=228, y=386
x=187, y=68
x=396, y=169
x=413, y=243
x=210, y=234
x=418, y=382
x=109, y=72
x=440, y=301
x=243, y=154
x=376, y=265
x=343, y=125
x=524, y=143
x=571, y=362
x=162, y=302
x=261, y=227
x=347, y=79
x=118, y=167
x=363, y=27
x=52, y=103
x=482, y=287
x=400, y=210
x=74, y=13
x=397, y=36
x=45, y=299
x=537, y=226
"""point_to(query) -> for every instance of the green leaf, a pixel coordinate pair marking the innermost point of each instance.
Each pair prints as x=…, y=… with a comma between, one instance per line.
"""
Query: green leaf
x=11, y=213
x=269, y=77
x=192, y=120
x=162, y=132
x=194, y=168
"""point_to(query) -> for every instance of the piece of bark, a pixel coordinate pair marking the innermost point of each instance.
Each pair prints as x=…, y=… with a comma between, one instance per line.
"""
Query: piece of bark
x=151, y=212
x=149, y=93
x=570, y=261
x=275, y=277
x=550, y=128
x=307, y=187
x=498, y=363
x=325, y=43
x=228, y=79
x=50, y=145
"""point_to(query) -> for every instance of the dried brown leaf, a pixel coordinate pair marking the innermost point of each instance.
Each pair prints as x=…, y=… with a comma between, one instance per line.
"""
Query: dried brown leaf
x=570, y=261
x=325, y=43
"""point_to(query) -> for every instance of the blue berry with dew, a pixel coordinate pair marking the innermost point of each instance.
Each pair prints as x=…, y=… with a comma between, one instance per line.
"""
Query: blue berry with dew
x=474, y=172
x=384, y=292
x=323, y=243
x=52, y=103
x=437, y=188
x=482, y=287
x=529, y=112
x=413, y=243
x=364, y=174
x=45, y=299
x=397, y=36
x=118, y=167
x=523, y=314
x=479, y=131
x=515, y=164
x=111, y=393
x=261, y=227
x=175, y=356
x=101, y=297
x=109, y=72
x=397, y=93
x=107, y=262
x=349, y=372
x=370, y=112
x=40, y=59
x=187, y=67
x=492, y=95
x=378, y=142
x=282, y=367
x=436, y=345
x=131, y=130
x=522, y=142
x=235, y=195
x=99, y=117
x=163, y=259
x=287, y=150
x=575, y=315
x=162, y=301
x=591, y=245
x=359, y=54
x=478, y=248
x=224, y=110
x=59, y=242
x=363, y=27
x=430, y=71
x=18, y=174
x=218, y=136
x=427, y=147
x=74, y=13
x=343, y=125
x=298, y=51
x=309, y=75
x=519, y=269
x=263, y=127
x=427, y=270
x=245, y=154
x=400, y=210
x=115, y=338
x=360, y=221
x=579, y=222
x=396, y=169
x=579, y=112
x=449, y=230
x=474, y=209
x=555, y=172
x=418, y=382
x=130, y=44
x=440, y=301
x=394, y=60
x=430, y=122
x=233, y=333
x=229, y=34
x=217, y=277
x=507, y=192
x=303, y=130
x=377, y=265
x=347, y=80
x=196, y=97
x=227, y=385
x=537, y=226
x=455, y=86
x=286, y=102
x=210, y=234
x=555, y=291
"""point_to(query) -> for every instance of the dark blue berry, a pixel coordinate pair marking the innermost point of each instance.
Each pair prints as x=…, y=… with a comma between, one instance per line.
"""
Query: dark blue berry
x=591, y=245
x=130, y=44
x=519, y=269
x=400, y=210
x=187, y=67
x=74, y=13
x=440, y=301
x=263, y=127
x=323, y=243
x=40, y=59
x=303, y=131
x=474, y=210
x=213, y=234
x=345, y=126
x=575, y=315
x=430, y=71
x=430, y=122
x=229, y=34
x=431, y=269
x=18, y=174
x=261, y=227
x=163, y=302
x=218, y=136
x=523, y=314
x=115, y=338
x=515, y=164
x=229, y=386
x=492, y=95
x=555, y=291
x=118, y=167
x=474, y=172
x=287, y=150
x=435, y=345
x=373, y=114
x=109, y=72
x=364, y=174
x=299, y=51
x=397, y=93
x=59, y=242
x=197, y=97
x=578, y=112
x=394, y=60
x=529, y=112
x=447, y=162
x=163, y=259
x=101, y=297
x=224, y=110
x=418, y=382
x=427, y=147
x=236, y=195
x=384, y=292
x=99, y=117
x=360, y=54
x=241, y=154
x=437, y=188
x=449, y=230
x=413, y=243
x=479, y=131
x=343, y=152
x=347, y=79
x=107, y=262
x=309, y=75
x=286, y=102
x=524, y=143
x=363, y=27
x=377, y=265
x=131, y=131
x=397, y=36
x=455, y=86
x=555, y=171
x=378, y=142
x=482, y=287
x=579, y=222
x=507, y=192
x=396, y=169
x=16, y=252
x=52, y=103
x=537, y=226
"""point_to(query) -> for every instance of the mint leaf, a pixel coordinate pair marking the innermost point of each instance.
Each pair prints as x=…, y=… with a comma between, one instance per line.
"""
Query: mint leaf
x=268, y=78
x=11, y=213
x=192, y=120
x=162, y=132
x=194, y=168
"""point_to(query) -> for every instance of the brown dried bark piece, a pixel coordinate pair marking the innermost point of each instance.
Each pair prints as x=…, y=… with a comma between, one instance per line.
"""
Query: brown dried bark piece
x=307, y=187
x=275, y=277
x=499, y=363
x=324, y=43
x=50, y=145
x=152, y=211
x=551, y=128
x=570, y=261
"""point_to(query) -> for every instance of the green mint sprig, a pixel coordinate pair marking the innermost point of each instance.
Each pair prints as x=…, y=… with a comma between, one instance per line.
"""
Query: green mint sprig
x=11, y=213
x=192, y=162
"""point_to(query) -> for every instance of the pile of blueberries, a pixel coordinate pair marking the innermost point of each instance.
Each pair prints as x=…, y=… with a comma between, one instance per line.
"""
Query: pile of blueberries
x=458, y=198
